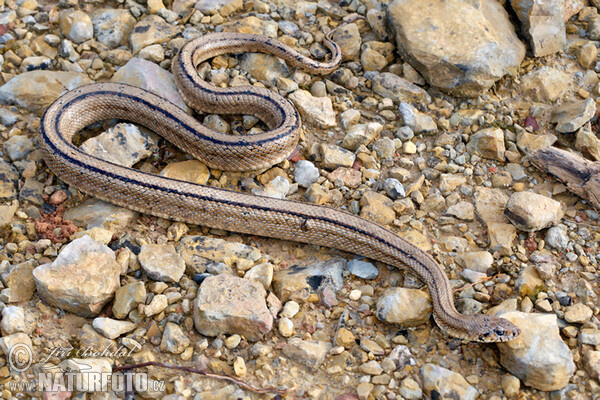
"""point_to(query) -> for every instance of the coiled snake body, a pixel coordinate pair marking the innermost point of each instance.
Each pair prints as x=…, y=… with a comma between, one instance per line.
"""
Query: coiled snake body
x=224, y=209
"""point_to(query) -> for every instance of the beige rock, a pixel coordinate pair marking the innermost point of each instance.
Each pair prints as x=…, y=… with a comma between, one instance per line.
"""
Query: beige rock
x=361, y=134
x=227, y=305
x=377, y=208
x=97, y=213
x=349, y=40
x=530, y=142
x=543, y=21
x=462, y=61
x=35, y=90
x=446, y=383
x=335, y=156
x=76, y=25
x=123, y=144
x=253, y=25
x=81, y=280
x=127, y=298
x=147, y=75
x=502, y=237
x=152, y=29
x=545, y=84
x=112, y=26
x=398, y=89
x=538, y=356
x=222, y=7
x=571, y=116
x=532, y=212
x=308, y=352
x=190, y=171
x=405, y=307
x=315, y=110
x=587, y=142
x=587, y=55
x=18, y=282
x=488, y=143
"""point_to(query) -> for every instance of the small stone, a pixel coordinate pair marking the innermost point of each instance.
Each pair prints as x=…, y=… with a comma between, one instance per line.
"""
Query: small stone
x=349, y=118
x=538, y=356
x=308, y=352
x=315, y=110
x=161, y=262
x=345, y=338
x=510, y=385
x=112, y=328
x=362, y=269
x=544, y=25
x=363, y=390
x=463, y=210
x=127, y=297
x=76, y=25
x=361, y=134
x=557, y=237
x=154, y=53
x=393, y=188
x=18, y=319
x=124, y=144
x=156, y=306
x=446, y=383
x=587, y=55
x=190, y=171
x=18, y=281
x=152, y=29
x=532, y=212
x=398, y=89
x=377, y=208
x=298, y=283
x=261, y=273
x=479, y=261
x=335, y=156
x=286, y=327
x=112, y=27
x=410, y=389
x=371, y=368
x=578, y=314
x=488, y=143
x=81, y=280
x=349, y=39
x=290, y=309
x=405, y=307
x=264, y=67
x=227, y=304
x=417, y=121
x=174, y=340
x=589, y=336
x=222, y=7
x=573, y=115
x=239, y=367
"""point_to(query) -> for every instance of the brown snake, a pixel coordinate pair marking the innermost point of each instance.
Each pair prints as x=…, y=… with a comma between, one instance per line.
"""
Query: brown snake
x=223, y=209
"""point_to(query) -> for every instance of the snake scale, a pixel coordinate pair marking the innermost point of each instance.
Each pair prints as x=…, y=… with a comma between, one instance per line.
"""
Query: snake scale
x=223, y=209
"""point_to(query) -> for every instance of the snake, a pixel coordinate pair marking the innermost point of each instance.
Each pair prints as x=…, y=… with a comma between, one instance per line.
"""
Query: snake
x=229, y=210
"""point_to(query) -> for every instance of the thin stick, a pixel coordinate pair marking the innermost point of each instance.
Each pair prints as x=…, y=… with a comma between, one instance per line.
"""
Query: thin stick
x=201, y=372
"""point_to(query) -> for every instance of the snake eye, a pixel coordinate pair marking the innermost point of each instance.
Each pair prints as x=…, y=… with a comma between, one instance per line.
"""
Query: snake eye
x=499, y=332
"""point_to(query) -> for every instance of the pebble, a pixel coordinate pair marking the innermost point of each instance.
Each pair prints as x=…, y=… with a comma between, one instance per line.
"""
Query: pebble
x=573, y=115
x=285, y=327
x=17, y=319
x=127, y=297
x=174, y=339
x=335, y=156
x=578, y=314
x=361, y=134
x=314, y=110
x=450, y=60
x=124, y=144
x=404, y=307
x=308, y=352
x=112, y=27
x=305, y=173
x=362, y=269
x=417, y=121
x=446, y=383
x=538, y=356
x=81, y=280
x=161, y=262
x=398, y=89
x=76, y=25
x=112, y=328
x=227, y=304
x=298, y=282
x=152, y=29
x=532, y=212
x=488, y=143
x=36, y=90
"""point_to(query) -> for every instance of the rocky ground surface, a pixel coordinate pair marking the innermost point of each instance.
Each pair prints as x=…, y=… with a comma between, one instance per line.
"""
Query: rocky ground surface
x=425, y=128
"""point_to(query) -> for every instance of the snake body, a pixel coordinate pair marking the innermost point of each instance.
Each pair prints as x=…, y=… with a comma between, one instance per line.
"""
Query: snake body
x=223, y=209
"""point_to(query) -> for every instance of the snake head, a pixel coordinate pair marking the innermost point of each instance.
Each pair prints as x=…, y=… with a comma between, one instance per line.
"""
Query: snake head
x=497, y=330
